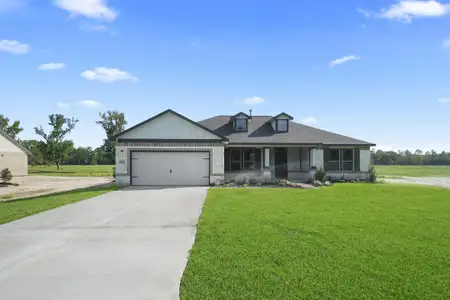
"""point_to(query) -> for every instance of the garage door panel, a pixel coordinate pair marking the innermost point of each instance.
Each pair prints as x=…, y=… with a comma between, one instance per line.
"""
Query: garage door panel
x=170, y=168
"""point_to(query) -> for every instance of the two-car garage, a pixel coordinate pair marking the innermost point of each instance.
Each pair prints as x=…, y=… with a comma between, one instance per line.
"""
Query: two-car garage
x=169, y=168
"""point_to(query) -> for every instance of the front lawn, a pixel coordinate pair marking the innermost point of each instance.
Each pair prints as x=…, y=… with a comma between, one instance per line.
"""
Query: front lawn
x=73, y=170
x=16, y=209
x=349, y=241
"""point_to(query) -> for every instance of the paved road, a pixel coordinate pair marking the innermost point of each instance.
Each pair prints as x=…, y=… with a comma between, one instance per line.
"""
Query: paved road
x=436, y=181
x=129, y=244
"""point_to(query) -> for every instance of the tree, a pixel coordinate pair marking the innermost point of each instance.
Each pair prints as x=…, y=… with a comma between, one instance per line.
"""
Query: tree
x=113, y=122
x=12, y=130
x=406, y=157
x=36, y=148
x=56, y=148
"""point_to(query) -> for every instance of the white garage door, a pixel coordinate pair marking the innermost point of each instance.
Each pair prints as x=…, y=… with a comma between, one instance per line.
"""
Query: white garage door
x=170, y=168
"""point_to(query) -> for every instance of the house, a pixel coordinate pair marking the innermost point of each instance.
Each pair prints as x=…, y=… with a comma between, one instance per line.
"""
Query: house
x=171, y=149
x=13, y=155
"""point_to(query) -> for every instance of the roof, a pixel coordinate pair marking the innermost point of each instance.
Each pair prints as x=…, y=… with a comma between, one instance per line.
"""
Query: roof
x=219, y=136
x=14, y=142
x=261, y=132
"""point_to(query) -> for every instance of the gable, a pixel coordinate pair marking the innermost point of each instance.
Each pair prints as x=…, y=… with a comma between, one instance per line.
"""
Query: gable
x=169, y=126
x=7, y=146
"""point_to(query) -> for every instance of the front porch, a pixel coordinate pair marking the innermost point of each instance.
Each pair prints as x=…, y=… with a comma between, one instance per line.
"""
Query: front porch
x=295, y=163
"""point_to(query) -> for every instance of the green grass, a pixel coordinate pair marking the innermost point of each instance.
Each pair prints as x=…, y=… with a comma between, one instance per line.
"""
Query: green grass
x=414, y=171
x=73, y=170
x=349, y=241
x=16, y=209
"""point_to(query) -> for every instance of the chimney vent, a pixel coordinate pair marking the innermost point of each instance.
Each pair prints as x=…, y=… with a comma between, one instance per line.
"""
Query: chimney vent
x=250, y=112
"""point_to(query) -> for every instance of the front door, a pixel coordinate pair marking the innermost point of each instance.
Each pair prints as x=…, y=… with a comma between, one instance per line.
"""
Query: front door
x=281, y=163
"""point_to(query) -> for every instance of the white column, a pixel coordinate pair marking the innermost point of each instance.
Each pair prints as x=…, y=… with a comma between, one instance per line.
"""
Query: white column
x=266, y=175
x=364, y=160
x=317, y=158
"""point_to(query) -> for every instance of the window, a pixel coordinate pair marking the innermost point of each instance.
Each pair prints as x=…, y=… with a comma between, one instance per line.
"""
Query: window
x=235, y=159
x=331, y=159
x=242, y=159
x=249, y=159
x=339, y=159
x=282, y=125
x=240, y=124
x=347, y=159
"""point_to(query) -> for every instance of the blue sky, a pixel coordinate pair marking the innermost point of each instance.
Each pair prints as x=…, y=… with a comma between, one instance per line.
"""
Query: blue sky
x=374, y=70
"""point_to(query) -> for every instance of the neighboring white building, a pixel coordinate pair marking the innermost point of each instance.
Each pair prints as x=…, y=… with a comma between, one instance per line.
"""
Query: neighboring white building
x=170, y=149
x=13, y=155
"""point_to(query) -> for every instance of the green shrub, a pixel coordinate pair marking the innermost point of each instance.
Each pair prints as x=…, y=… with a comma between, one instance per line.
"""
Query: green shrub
x=372, y=174
x=114, y=172
x=6, y=175
x=320, y=175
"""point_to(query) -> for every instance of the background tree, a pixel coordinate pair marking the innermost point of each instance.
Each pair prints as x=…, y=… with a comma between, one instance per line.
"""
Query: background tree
x=418, y=157
x=56, y=149
x=10, y=129
x=36, y=148
x=113, y=122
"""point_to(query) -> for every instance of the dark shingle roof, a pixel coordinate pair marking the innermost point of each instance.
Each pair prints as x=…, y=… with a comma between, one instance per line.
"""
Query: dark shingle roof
x=261, y=132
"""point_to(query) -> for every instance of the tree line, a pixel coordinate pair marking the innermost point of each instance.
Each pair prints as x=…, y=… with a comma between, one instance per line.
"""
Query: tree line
x=54, y=147
x=407, y=157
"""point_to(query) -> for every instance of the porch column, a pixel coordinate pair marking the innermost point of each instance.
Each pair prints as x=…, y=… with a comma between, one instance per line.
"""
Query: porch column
x=266, y=174
x=317, y=158
x=364, y=160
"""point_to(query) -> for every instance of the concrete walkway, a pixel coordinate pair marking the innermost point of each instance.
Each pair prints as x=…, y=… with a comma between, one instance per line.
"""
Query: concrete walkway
x=129, y=244
x=435, y=181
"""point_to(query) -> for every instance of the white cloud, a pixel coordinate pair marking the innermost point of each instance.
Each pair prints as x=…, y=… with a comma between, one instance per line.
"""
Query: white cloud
x=342, y=60
x=446, y=43
x=51, y=66
x=309, y=121
x=89, y=103
x=62, y=105
x=92, y=9
x=107, y=75
x=444, y=100
x=407, y=10
x=14, y=47
x=253, y=100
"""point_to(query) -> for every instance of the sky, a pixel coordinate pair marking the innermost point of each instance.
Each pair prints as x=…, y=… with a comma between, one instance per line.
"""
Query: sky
x=376, y=70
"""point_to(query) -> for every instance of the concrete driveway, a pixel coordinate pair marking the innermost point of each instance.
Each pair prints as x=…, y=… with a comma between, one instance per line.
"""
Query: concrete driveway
x=128, y=244
x=30, y=186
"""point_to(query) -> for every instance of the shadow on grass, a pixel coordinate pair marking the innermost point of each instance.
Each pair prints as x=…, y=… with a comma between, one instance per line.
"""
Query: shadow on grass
x=107, y=187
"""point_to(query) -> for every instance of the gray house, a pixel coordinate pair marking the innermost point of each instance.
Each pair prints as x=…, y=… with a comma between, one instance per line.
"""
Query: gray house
x=171, y=149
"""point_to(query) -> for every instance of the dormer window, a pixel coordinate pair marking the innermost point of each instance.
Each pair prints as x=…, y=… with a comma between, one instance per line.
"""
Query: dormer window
x=282, y=125
x=240, y=125
x=240, y=122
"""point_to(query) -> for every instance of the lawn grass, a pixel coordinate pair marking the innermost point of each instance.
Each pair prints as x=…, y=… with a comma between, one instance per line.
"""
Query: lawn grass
x=73, y=170
x=414, y=171
x=16, y=209
x=349, y=241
